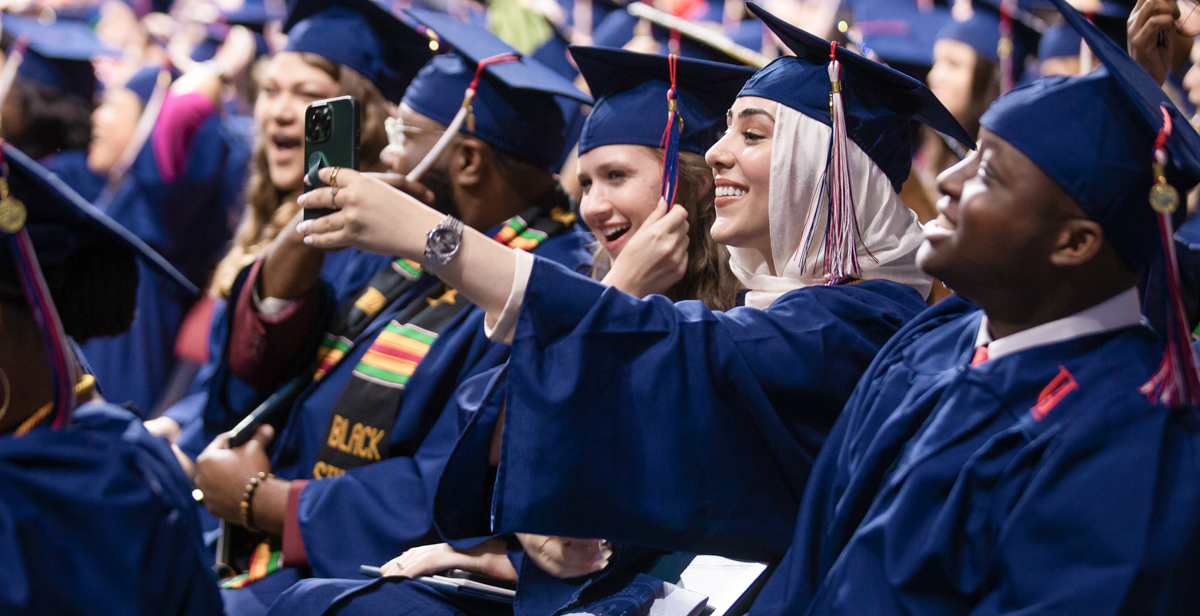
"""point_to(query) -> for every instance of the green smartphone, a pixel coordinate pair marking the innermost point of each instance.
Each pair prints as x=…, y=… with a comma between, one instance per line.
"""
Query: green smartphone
x=331, y=139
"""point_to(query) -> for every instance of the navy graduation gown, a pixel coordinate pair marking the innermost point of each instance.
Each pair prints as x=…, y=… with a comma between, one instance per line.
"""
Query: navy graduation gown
x=673, y=426
x=373, y=513
x=222, y=400
x=71, y=166
x=188, y=221
x=99, y=517
x=1038, y=482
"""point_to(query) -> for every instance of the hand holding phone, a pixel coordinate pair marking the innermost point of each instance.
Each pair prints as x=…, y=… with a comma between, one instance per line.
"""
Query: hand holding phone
x=332, y=138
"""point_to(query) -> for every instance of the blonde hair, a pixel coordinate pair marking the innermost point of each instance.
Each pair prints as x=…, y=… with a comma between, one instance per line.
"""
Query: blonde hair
x=268, y=208
x=708, y=277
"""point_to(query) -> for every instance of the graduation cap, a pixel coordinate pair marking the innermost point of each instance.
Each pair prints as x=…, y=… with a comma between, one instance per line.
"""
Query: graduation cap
x=1120, y=149
x=43, y=221
x=899, y=34
x=690, y=40
x=656, y=101
x=1059, y=41
x=57, y=55
x=878, y=102
x=862, y=101
x=252, y=15
x=146, y=79
x=363, y=36
x=1001, y=31
x=489, y=90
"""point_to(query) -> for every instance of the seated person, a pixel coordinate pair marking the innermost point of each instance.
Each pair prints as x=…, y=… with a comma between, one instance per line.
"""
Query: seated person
x=1031, y=449
x=709, y=415
x=96, y=514
x=175, y=188
x=642, y=249
x=362, y=441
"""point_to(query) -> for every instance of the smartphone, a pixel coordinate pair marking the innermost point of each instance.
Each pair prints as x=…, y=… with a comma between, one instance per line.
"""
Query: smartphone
x=331, y=139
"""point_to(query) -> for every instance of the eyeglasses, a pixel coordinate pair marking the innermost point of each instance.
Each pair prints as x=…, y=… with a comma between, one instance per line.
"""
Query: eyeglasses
x=398, y=132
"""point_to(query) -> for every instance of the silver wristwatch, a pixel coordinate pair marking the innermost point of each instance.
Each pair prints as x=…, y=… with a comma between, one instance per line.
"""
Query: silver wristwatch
x=442, y=244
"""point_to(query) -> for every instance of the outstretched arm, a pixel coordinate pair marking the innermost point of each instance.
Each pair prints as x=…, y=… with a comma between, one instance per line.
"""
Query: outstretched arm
x=374, y=217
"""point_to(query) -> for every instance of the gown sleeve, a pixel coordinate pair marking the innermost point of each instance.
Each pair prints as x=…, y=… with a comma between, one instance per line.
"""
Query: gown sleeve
x=674, y=426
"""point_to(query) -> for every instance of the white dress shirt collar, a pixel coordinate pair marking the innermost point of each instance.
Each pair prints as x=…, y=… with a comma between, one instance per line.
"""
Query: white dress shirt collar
x=1117, y=312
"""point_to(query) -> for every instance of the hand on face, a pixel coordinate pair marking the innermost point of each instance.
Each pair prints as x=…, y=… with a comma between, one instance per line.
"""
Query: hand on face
x=656, y=257
x=566, y=558
x=488, y=558
x=1151, y=29
x=371, y=216
x=222, y=473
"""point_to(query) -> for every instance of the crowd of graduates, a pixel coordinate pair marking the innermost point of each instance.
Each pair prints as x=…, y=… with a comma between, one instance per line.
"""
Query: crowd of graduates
x=895, y=297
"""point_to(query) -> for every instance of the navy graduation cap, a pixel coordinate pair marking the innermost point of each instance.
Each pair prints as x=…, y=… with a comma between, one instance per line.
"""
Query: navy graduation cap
x=631, y=92
x=144, y=80
x=363, y=36
x=899, y=33
x=879, y=102
x=678, y=104
x=43, y=221
x=1059, y=41
x=57, y=55
x=694, y=41
x=489, y=90
x=1122, y=151
x=999, y=32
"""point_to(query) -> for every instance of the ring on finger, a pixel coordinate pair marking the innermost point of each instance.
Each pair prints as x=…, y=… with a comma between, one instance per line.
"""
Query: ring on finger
x=542, y=548
x=333, y=195
x=333, y=177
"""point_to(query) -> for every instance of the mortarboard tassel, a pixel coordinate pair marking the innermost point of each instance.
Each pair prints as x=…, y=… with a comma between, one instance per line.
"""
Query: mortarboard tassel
x=1176, y=382
x=1004, y=49
x=465, y=114
x=670, y=141
x=842, y=235
x=41, y=304
x=9, y=73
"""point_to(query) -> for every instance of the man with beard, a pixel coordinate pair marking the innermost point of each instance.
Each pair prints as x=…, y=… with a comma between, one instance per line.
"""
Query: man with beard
x=347, y=479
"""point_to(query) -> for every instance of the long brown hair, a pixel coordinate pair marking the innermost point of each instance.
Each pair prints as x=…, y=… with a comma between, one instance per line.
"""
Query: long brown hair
x=268, y=208
x=708, y=277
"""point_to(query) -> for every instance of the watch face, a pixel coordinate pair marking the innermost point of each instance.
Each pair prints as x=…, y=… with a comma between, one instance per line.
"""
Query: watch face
x=442, y=241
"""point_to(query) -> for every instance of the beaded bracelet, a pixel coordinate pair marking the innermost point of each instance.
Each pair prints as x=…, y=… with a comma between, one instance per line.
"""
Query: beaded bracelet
x=247, y=513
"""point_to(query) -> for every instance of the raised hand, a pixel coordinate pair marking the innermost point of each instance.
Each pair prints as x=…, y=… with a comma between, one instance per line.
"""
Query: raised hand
x=1151, y=29
x=372, y=216
x=655, y=257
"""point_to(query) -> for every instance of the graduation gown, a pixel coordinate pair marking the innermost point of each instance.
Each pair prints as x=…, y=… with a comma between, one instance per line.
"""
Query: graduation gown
x=71, y=166
x=373, y=512
x=464, y=489
x=188, y=221
x=673, y=426
x=1038, y=482
x=99, y=517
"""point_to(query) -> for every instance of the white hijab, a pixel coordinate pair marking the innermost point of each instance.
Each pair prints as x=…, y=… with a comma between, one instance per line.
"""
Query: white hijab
x=890, y=231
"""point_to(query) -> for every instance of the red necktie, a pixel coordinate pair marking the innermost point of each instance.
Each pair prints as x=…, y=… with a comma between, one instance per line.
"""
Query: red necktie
x=981, y=355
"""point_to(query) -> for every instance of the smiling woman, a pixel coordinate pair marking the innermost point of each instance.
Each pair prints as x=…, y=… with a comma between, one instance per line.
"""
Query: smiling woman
x=292, y=81
x=736, y=403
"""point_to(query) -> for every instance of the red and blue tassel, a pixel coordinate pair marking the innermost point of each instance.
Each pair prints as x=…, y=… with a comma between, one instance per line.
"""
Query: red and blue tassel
x=842, y=236
x=1176, y=382
x=670, y=140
